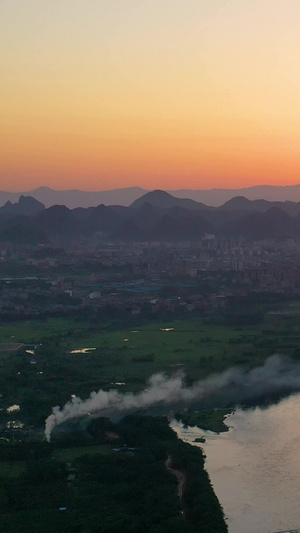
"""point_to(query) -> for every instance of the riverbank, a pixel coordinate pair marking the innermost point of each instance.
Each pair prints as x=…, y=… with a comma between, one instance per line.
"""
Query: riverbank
x=254, y=468
x=206, y=419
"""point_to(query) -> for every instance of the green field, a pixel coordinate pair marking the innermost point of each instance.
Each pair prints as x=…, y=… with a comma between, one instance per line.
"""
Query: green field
x=133, y=355
x=124, y=359
x=32, y=331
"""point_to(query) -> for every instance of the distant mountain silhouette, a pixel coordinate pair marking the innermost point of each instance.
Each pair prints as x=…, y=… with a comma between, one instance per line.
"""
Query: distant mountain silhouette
x=165, y=200
x=76, y=198
x=100, y=219
x=240, y=203
x=166, y=219
x=217, y=197
x=146, y=216
x=126, y=196
x=25, y=206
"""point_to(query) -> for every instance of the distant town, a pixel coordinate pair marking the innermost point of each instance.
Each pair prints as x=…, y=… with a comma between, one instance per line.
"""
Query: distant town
x=144, y=278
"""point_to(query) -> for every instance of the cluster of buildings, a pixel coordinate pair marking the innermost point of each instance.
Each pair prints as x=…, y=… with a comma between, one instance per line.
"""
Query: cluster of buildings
x=143, y=278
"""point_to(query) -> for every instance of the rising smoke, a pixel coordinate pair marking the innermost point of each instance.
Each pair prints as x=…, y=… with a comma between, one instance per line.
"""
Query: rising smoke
x=279, y=375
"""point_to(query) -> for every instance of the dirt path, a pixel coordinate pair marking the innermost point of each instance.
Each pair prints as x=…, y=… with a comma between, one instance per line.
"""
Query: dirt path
x=180, y=475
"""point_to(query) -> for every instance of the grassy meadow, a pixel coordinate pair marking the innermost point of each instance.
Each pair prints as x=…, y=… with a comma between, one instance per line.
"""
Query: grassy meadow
x=124, y=359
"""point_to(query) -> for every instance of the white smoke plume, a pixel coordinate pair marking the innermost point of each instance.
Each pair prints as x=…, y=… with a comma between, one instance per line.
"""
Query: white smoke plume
x=278, y=375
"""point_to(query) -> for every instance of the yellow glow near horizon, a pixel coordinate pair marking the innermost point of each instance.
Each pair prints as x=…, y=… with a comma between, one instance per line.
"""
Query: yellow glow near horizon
x=98, y=94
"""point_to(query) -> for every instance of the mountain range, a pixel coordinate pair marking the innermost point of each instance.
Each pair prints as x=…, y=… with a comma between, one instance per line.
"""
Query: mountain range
x=126, y=196
x=157, y=216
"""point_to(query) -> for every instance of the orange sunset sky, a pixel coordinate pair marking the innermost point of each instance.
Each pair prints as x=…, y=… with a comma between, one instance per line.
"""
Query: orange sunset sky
x=101, y=94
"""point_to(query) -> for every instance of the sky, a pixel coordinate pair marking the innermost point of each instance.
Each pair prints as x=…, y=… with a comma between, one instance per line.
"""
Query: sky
x=169, y=94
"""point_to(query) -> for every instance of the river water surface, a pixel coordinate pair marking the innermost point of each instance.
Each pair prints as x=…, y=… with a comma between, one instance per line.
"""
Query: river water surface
x=255, y=466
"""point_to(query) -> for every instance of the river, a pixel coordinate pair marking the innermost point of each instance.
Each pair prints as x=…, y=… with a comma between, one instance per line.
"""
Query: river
x=255, y=466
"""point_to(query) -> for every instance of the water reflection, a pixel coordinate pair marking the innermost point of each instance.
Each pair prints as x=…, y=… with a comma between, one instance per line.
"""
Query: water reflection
x=83, y=350
x=255, y=467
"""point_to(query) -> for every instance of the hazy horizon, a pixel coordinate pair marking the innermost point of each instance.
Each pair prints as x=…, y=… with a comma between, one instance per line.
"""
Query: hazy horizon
x=110, y=189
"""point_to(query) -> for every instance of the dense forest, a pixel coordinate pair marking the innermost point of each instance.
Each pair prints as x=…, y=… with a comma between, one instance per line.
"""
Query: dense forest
x=128, y=488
